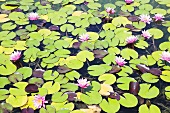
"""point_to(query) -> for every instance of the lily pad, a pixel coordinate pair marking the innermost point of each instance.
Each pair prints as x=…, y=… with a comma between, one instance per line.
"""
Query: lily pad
x=146, y=91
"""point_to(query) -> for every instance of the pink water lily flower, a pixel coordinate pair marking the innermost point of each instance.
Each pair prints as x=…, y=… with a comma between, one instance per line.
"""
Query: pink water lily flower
x=39, y=101
x=84, y=37
x=83, y=83
x=145, y=18
x=120, y=61
x=129, y=1
x=165, y=56
x=15, y=55
x=159, y=17
x=33, y=16
x=110, y=10
x=146, y=34
x=132, y=39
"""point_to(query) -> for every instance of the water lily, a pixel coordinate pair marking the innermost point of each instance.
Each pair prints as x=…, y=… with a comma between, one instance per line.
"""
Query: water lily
x=145, y=18
x=146, y=34
x=39, y=101
x=84, y=37
x=165, y=56
x=158, y=17
x=83, y=83
x=132, y=39
x=120, y=61
x=15, y=55
x=110, y=10
x=129, y=1
x=33, y=16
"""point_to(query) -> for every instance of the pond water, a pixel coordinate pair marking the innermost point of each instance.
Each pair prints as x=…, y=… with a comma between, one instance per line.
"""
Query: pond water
x=84, y=56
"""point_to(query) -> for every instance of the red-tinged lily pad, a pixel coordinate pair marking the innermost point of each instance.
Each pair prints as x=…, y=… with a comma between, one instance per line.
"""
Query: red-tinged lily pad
x=53, y=28
x=133, y=18
x=38, y=73
x=155, y=71
x=31, y=88
x=76, y=45
x=27, y=110
x=115, y=69
x=114, y=95
x=71, y=96
x=63, y=69
x=134, y=87
x=100, y=53
x=143, y=68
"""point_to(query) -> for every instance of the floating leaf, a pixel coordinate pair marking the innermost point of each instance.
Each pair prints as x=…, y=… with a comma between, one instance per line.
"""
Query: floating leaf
x=83, y=55
x=3, y=81
x=165, y=76
x=17, y=101
x=92, y=97
x=25, y=72
x=107, y=78
x=167, y=92
x=59, y=97
x=118, y=21
x=4, y=18
x=156, y=33
x=146, y=91
x=152, y=109
x=3, y=94
x=96, y=70
x=123, y=82
x=105, y=89
x=128, y=100
x=127, y=53
x=112, y=106
x=147, y=77
x=72, y=75
x=51, y=87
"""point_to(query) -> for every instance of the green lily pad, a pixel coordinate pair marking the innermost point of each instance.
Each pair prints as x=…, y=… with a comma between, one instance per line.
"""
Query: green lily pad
x=127, y=53
x=118, y=21
x=25, y=71
x=158, y=11
x=156, y=33
x=3, y=94
x=151, y=109
x=83, y=55
x=146, y=91
x=167, y=92
x=31, y=27
x=67, y=27
x=148, y=77
x=59, y=97
x=64, y=53
x=74, y=63
x=3, y=81
x=123, y=82
x=112, y=106
x=164, y=46
x=20, y=90
x=107, y=78
x=165, y=76
x=31, y=54
x=50, y=75
x=16, y=101
x=69, y=87
x=51, y=87
x=72, y=75
x=96, y=70
x=8, y=26
x=92, y=97
x=128, y=100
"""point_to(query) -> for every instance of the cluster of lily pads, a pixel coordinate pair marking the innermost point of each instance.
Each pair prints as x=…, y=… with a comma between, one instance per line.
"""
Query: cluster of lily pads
x=84, y=56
